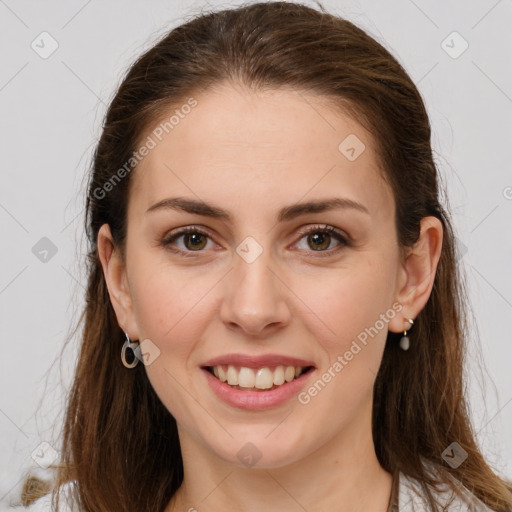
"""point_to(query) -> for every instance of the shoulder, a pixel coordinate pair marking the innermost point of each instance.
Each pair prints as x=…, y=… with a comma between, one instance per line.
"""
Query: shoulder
x=44, y=504
x=412, y=498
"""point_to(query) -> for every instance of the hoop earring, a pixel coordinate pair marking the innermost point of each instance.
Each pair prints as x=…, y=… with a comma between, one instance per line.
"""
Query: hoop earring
x=131, y=349
x=404, y=340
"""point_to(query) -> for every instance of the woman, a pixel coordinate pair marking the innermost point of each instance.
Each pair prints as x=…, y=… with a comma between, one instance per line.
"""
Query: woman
x=274, y=316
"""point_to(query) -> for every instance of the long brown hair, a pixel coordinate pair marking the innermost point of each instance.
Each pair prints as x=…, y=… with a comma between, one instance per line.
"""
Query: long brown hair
x=120, y=443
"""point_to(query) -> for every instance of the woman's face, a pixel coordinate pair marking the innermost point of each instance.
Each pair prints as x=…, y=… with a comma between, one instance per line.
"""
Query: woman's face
x=258, y=276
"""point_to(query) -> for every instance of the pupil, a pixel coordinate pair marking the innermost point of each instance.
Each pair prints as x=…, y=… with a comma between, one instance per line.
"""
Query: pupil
x=320, y=239
x=195, y=240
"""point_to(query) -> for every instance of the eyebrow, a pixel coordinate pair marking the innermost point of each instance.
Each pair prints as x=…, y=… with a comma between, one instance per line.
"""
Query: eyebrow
x=285, y=214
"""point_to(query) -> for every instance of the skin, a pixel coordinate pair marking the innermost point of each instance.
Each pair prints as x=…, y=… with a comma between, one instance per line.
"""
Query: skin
x=253, y=154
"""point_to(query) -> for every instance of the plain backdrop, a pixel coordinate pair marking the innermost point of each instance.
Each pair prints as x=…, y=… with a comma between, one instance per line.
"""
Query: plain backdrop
x=457, y=52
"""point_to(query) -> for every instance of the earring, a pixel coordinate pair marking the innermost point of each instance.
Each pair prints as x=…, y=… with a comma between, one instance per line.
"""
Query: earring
x=404, y=340
x=130, y=349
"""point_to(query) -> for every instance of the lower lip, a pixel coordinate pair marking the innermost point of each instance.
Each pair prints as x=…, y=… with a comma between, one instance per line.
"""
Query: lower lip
x=256, y=400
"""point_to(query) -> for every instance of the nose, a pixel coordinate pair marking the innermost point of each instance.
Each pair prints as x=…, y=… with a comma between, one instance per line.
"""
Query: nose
x=255, y=300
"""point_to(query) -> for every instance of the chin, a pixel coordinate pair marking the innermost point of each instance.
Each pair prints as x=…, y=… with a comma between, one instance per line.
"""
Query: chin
x=259, y=451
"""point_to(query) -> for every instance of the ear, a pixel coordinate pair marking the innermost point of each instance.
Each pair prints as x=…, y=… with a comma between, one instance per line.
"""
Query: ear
x=116, y=279
x=416, y=274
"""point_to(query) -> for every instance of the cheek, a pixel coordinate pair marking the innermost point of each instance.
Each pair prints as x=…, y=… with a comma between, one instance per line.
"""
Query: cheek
x=357, y=309
x=172, y=310
x=346, y=304
x=169, y=306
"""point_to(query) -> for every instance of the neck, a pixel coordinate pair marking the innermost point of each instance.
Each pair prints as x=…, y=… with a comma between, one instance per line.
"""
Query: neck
x=343, y=474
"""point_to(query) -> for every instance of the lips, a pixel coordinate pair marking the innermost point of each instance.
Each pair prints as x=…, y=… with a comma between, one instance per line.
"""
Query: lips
x=257, y=399
x=260, y=361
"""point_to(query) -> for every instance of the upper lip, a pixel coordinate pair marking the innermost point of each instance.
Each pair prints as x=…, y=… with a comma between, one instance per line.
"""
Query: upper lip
x=260, y=361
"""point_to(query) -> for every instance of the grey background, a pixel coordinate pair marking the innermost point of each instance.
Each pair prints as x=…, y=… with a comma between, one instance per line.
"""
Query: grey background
x=51, y=116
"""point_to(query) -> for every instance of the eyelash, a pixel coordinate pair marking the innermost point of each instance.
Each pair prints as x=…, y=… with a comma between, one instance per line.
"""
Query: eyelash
x=324, y=229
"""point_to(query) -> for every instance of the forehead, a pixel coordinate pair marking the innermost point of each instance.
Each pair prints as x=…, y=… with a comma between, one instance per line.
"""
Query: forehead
x=277, y=145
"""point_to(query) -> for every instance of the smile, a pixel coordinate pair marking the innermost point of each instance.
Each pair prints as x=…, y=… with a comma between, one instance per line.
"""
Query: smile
x=266, y=378
x=252, y=397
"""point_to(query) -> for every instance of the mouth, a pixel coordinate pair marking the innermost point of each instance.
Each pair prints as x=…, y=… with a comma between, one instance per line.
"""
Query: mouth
x=266, y=378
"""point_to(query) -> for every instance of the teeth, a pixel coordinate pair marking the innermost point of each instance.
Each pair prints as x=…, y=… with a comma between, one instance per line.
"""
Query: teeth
x=264, y=378
x=279, y=376
x=232, y=376
x=246, y=378
x=261, y=378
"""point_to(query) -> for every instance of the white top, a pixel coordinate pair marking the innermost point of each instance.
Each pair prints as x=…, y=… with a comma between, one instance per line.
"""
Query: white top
x=410, y=499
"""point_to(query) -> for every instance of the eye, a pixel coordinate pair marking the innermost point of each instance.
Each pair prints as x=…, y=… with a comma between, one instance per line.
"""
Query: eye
x=319, y=239
x=194, y=240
